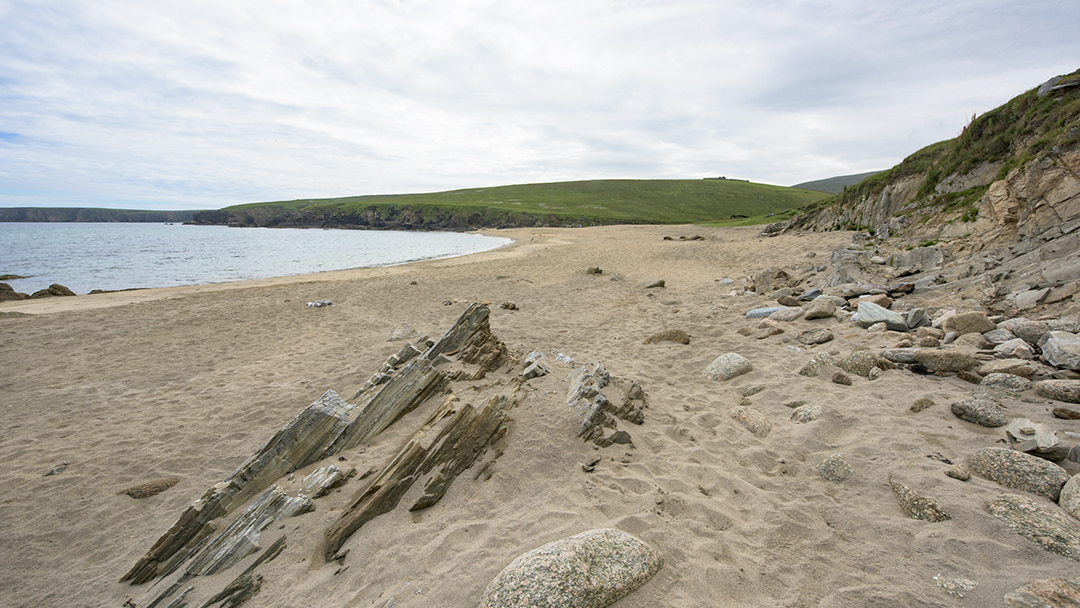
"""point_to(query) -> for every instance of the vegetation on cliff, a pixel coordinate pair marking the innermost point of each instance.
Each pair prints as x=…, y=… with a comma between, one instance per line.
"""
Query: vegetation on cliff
x=595, y=202
x=85, y=214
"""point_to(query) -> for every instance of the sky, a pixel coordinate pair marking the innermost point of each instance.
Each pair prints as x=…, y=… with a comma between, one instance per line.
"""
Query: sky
x=200, y=105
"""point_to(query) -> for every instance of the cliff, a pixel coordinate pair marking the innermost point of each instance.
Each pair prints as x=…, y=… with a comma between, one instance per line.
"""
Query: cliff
x=84, y=214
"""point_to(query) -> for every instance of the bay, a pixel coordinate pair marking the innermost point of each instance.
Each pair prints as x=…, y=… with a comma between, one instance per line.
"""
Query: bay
x=113, y=256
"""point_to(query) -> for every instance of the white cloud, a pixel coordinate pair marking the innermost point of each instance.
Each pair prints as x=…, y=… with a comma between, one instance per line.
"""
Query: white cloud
x=192, y=104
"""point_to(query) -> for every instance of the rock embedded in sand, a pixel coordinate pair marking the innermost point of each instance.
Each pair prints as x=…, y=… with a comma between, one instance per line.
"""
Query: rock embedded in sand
x=810, y=337
x=1046, y=593
x=835, y=468
x=1008, y=382
x=1020, y=471
x=812, y=368
x=1046, y=526
x=1061, y=390
x=806, y=413
x=945, y=360
x=981, y=412
x=672, y=335
x=841, y=378
x=860, y=362
x=150, y=488
x=921, y=404
x=786, y=314
x=820, y=308
x=753, y=420
x=728, y=366
x=590, y=570
x=917, y=506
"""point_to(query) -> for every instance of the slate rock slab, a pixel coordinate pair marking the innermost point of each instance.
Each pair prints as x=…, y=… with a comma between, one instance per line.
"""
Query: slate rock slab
x=1061, y=349
x=981, y=412
x=728, y=366
x=1020, y=471
x=590, y=570
x=1042, y=524
x=1062, y=390
x=871, y=314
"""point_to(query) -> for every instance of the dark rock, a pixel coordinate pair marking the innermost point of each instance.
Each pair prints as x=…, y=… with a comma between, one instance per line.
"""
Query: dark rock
x=917, y=318
x=1020, y=471
x=593, y=270
x=8, y=293
x=1046, y=526
x=654, y=283
x=590, y=570
x=981, y=412
x=1061, y=390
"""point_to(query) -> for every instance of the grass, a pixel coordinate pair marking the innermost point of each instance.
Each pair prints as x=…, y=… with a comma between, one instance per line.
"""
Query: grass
x=559, y=203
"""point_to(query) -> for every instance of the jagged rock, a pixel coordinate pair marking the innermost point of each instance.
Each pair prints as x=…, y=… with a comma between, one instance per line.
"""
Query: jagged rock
x=917, y=506
x=761, y=313
x=672, y=335
x=319, y=482
x=870, y=314
x=841, y=378
x=981, y=412
x=1046, y=526
x=727, y=366
x=945, y=360
x=241, y=537
x=753, y=420
x=1017, y=348
x=1031, y=331
x=820, y=308
x=787, y=314
x=1016, y=367
x=590, y=570
x=1046, y=593
x=1020, y=471
x=969, y=322
x=860, y=362
x=806, y=413
x=1061, y=349
x=535, y=365
x=820, y=335
x=1035, y=438
x=451, y=440
x=1008, y=382
x=835, y=468
x=1061, y=390
x=813, y=367
x=8, y=293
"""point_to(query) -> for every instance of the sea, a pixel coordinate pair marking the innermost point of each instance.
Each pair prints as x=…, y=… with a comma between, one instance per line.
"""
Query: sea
x=113, y=256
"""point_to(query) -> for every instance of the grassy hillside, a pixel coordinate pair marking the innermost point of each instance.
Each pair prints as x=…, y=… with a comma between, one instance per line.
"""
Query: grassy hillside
x=560, y=203
x=835, y=185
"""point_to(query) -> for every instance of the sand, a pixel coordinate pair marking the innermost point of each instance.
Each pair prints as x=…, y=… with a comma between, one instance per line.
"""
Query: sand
x=186, y=383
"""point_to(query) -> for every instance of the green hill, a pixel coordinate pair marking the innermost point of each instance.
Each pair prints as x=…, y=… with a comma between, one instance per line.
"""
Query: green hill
x=595, y=202
x=835, y=185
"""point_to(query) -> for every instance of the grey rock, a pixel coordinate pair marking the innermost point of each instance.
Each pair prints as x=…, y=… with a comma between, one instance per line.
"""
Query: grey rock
x=820, y=335
x=916, y=318
x=1020, y=471
x=900, y=355
x=654, y=283
x=1066, y=325
x=750, y=391
x=875, y=373
x=981, y=412
x=728, y=366
x=1061, y=349
x=771, y=279
x=1017, y=348
x=974, y=341
x=761, y=313
x=787, y=314
x=1070, y=496
x=1031, y=331
x=921, y=404
x=1008, y=382
x=1016, y=367
x=841, y=378
x=1046, y=593
x=1028, y=299
x=1061, y=390
x=999, y=336
x=810, y=294
x=806, y=413
x=936, y=360
x=860, y=362
x=788, y=300
x=590, y=570
x=820, y=308
x=1046, y=526
x=969, y=322
x=835, y=468
x=813, y=367
x=917, y=506
x=870, y=314
x=753, y=420
x=535, y=365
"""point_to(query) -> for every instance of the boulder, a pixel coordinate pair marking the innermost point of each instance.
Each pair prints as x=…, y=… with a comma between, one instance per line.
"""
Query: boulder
x=727, y=366
x=820, y=308
x=843, y=379
x=1020, y=471
x=1017, y=348
x=590, y=570
x=860, y=362
x=1031, y=331
x=981, y=412
x=935, y=360
x=1061, y=349
x=8, y=293
x=969, y=322
x=1046, y=526
x=1070, y=496
x=870, y=314
x=1062, y=390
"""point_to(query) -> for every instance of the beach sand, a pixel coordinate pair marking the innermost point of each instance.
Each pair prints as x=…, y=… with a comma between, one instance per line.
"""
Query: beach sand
x=187, y=383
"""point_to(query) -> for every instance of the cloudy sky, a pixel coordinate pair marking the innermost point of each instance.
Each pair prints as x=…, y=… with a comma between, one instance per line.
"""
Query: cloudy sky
x=203, y=104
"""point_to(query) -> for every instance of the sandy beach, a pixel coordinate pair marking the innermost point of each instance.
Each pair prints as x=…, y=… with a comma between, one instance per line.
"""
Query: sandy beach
x=188, y=382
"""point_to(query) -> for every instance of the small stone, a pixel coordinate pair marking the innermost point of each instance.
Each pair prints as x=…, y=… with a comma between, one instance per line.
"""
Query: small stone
x=753, y=420
x=750, y=391
x=921, y=404
x=806, y=413
x=917, y=318
x=150, y=488
x=981, y=412
x=653, y=284
x=728, y=366
x=813, y=367
x=841, y=378
x=1070, y=496
x=870, y=314
x=835, y=468
x=672, y=335
x=880, y=299
x=820, y=335
x=958, y=471
x=788, y=300
x=820, y=308
x=917, y=506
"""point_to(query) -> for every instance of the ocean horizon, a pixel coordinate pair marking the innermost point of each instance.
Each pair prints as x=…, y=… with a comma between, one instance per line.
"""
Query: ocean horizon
x=113, y=256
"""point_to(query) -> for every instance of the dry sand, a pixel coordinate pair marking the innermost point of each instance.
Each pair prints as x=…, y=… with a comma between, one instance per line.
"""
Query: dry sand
x=188, y=382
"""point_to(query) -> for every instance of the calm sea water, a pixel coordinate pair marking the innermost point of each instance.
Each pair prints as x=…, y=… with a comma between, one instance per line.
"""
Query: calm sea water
x=85, y=256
